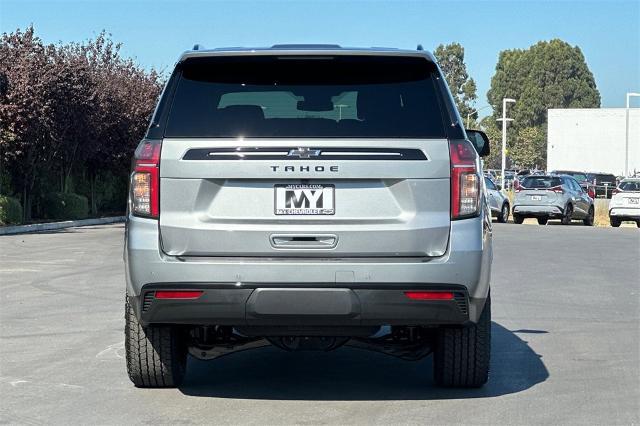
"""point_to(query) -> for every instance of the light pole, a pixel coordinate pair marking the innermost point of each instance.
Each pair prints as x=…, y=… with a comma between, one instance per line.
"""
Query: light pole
x=504, y=120
x=474, y=111
x=626, y=140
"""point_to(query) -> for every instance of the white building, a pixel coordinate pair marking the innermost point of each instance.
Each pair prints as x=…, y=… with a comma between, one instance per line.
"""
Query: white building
x=593, y=140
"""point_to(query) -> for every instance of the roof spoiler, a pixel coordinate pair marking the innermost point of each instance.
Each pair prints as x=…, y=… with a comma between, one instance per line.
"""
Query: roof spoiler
x=306, y=46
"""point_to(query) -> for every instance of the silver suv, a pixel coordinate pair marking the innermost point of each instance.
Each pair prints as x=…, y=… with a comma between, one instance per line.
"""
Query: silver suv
x=307, y=197
x=552, y=197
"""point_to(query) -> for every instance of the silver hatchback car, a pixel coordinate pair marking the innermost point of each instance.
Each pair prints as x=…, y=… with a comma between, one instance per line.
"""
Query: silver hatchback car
x=552, y=197
x=308, y=197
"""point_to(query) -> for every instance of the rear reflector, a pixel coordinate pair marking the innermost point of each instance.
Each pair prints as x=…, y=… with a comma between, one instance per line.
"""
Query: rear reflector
x=164, y=294
x=429, y=295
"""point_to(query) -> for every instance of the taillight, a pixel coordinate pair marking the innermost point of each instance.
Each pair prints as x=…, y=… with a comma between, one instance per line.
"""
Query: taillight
x=516, y=185
x=465, y=184
x=145, y=179
x=557, y=189
x=614, y=192
x=591, y=192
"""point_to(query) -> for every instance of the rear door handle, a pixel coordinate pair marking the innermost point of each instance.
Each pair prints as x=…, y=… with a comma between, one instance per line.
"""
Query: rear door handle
x=303, y=241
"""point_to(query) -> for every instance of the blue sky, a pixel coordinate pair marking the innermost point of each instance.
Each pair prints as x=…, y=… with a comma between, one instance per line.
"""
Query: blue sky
x=155, y=32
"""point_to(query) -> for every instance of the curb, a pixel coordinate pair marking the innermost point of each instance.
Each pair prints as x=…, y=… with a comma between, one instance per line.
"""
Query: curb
x=38, y=227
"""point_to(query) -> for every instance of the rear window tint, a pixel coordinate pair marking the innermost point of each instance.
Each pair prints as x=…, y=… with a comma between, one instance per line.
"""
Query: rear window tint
x=489, y=184
x=599, y=179
x=630, y=186
x=576, y=175
x=541, y=182
x=342, y=96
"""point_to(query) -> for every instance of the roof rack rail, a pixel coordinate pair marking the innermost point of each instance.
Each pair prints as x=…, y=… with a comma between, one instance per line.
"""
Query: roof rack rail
x=419, y=47
x=306, y=46
x=198, y=47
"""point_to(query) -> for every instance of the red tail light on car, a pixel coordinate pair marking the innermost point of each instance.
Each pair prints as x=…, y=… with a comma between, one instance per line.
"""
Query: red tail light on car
x=614, y=192
x=180, y=294
x=465, y=184
x=429, y=295
x=557, y=189
x=145, y=180
x=591, y=192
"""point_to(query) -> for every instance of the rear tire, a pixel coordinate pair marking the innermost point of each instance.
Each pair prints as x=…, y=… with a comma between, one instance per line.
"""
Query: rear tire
x=462, y=354
x=156, y=355
x=588, y=221
x=542, y=220
x=503, y=216
x=568, y=212
x=518, y=219
x=615, y=222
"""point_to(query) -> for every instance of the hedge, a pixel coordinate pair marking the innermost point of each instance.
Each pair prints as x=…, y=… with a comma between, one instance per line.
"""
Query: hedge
x=10, y=211
x=65, y=206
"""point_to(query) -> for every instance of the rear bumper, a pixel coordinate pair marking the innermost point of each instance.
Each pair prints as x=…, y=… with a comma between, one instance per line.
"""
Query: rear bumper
x=625, y=213
x=539, y=211
x=303, y=307
x=377, y=283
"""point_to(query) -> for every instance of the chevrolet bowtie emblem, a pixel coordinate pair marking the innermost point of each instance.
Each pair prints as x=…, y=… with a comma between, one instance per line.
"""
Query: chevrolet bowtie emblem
x=304, y=153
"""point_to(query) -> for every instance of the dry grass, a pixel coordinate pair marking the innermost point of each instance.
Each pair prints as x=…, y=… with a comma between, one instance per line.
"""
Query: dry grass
x=602, y=212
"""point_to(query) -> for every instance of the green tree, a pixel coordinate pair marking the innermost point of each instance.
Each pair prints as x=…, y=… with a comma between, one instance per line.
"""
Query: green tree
x=494, y=159
x=451, y=60
x=528, y=151
x=549, y=74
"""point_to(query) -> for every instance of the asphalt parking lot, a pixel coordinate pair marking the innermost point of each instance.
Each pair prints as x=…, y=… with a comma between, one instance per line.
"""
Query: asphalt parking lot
x=566, y=345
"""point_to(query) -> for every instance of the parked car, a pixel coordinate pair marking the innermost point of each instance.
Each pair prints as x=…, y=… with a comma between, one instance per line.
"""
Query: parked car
x=258, y=214
x=498, y=202
x=509, y=178
x=581, y=178
x=552, y=197
x=604, y=184
x=625, y=202
x=523, y=174
x=493, y=173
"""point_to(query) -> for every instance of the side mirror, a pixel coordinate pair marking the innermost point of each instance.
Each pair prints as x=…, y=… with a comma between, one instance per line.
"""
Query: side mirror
x=480, y=141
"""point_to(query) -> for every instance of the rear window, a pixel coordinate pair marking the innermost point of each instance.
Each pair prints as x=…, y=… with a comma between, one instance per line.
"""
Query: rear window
x=489, y=183
x=341, y=96
x=601, y=179
x=541, y=182
x=630, y=186
x=580, y=177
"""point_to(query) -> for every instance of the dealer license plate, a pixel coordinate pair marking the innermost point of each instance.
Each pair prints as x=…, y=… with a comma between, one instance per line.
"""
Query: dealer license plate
x=304, y=199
